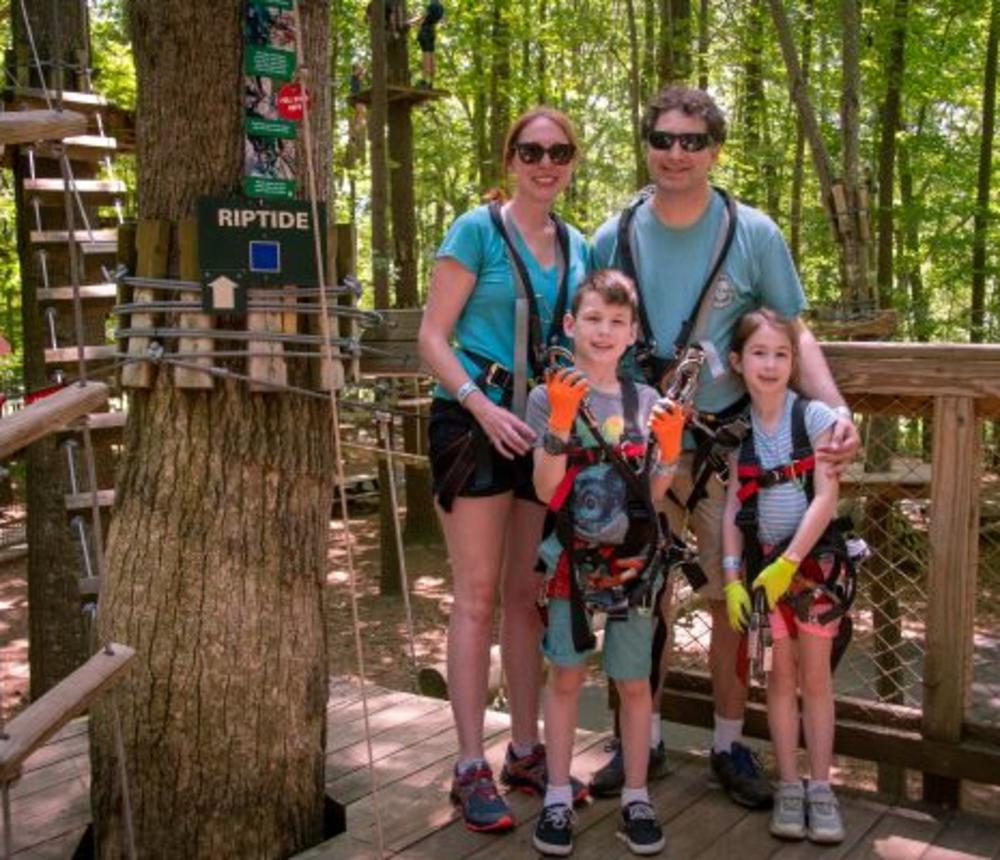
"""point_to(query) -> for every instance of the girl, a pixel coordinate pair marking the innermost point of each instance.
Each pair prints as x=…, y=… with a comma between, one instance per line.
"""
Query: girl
x=480, y=449
x=763, y=352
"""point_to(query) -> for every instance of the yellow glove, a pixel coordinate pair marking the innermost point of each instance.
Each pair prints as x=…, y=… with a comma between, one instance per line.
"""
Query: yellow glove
x=776, y=578
x=566, y=389
x=666, y=422
x=738, y=605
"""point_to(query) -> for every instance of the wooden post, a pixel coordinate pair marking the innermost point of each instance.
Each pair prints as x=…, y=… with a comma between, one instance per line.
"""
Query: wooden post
x=951, y=586
x=153, y=247
x=49, y=414
x=186, y=377
x=346, y=263
x=266, y=367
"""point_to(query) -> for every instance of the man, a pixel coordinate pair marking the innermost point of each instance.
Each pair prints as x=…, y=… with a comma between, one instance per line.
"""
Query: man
x=676, y=237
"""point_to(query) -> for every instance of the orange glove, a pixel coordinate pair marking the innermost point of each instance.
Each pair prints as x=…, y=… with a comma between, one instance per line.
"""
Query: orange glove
x=666, y=423
x=566, y=388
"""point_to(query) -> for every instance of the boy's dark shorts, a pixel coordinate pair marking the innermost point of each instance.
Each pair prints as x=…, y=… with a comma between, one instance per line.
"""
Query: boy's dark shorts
x=425, y=38
x=464, y=463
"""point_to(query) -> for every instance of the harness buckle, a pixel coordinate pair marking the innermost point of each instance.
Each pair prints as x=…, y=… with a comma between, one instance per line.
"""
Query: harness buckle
x=498, y=376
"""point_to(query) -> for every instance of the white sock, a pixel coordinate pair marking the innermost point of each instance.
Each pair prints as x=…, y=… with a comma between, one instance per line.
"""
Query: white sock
x=631, y=795
x=727, y=732
x=558, y=795
x=521, y=750
x=468, y=764
x=655, y=730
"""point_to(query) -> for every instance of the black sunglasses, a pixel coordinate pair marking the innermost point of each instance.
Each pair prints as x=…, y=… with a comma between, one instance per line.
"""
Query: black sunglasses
x=533, y=153
x=690, y=141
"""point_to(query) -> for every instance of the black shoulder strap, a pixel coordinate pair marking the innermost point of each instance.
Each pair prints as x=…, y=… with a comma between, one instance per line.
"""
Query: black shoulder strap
x=801, y=446
x=626, y=260
x=630, y=406
x=556, y=323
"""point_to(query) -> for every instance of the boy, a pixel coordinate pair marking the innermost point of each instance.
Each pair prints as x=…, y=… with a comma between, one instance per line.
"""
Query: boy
x=603, y=550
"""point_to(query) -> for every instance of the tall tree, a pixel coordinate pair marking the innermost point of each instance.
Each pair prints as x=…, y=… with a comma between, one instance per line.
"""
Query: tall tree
x=795, y=214
x=217, y=554
x=977, y=327
x=377, y=124
x=703, y=31
x=634, y=94
x=675, y=41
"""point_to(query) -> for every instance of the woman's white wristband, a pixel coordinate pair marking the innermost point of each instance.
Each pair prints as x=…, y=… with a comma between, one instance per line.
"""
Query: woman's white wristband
x=732, y=562
x=465, y=390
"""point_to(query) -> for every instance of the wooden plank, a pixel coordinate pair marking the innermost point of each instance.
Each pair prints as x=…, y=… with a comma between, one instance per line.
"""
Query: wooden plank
x=951, y=580
x=81, y=147
x=901, y=834
x=70, y=98
x=153, y=246
x=966, y=838
x=106, y=420
x=78, y=502
x=106, y=291
x=266, y=365
x=46, y=715
x=68, y=354
x=347, y=846
x=385, y=720
x=92, y=191
x=49, y=414
x=104, y=236
x=27, y=126
x=189, y=377
x=397, y=325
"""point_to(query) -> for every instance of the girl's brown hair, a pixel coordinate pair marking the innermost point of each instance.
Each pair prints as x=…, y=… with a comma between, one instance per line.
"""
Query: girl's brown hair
x=514, y=134
x=753, y=320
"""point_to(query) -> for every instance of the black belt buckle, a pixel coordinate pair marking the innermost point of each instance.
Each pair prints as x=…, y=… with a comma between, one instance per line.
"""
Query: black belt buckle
x=498, y=376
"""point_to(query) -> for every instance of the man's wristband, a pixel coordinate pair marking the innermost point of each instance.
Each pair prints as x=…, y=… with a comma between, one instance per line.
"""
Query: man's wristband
x=732, y=562
x=465, y=390
x=844, y=412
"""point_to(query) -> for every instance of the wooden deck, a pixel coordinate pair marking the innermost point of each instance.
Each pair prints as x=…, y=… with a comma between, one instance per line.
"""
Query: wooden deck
x=414, y=743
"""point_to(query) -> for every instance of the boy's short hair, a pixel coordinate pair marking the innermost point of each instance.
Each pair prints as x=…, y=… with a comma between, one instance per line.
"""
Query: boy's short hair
x=616, y=288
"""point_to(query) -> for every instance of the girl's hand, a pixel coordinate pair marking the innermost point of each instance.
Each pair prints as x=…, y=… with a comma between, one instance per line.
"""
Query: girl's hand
x=506, y=432
x=566, y=389
x=776, y=578
x=666, y=423
x=738, y=605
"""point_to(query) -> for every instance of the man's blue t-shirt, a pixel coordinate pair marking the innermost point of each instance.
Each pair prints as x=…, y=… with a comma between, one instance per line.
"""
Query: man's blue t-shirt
x=486, y=324
x=673, y=265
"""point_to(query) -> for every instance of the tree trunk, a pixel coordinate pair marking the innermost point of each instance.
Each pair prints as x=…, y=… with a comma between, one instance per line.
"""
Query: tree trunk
x=57, y=642
x=217, y=555
x=675, y=41
x=541, y=62
x=499, y=89
x=647, y=78
x=634, y=106
x=754, y=109
x=891, y=112
x=703, y=31
x=377, y=121
x=798, y=172
x=913, y=280
x=977, y=322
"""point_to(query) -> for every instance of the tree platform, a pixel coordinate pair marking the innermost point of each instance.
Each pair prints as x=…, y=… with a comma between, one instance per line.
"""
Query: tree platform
x=414, y=743
x=397, y=93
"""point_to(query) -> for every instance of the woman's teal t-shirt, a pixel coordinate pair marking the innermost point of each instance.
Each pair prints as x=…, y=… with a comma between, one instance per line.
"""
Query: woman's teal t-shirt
x=486, y=324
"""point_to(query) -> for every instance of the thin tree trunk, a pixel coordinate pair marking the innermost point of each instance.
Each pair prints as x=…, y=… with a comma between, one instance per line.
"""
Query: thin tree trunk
x=753, y=108
x=977, y=326
x=855, y=246
x=647, y=79
x=377, y=122
x=541, y=67
x=217, y=553
x=798, y=172
x=499, y=88
x=703, y=31
x=634, y=94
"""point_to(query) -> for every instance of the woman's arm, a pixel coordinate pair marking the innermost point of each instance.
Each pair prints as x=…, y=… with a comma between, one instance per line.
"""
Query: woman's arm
x=826, y=490
x=451, y=286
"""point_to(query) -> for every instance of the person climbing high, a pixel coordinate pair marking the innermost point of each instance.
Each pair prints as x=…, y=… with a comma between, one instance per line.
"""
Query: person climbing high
x=426, y=39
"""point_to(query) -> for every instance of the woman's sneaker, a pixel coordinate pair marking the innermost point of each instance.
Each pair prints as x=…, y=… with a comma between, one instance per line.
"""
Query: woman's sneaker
x=475, y=793
x=640, y=829
x=788, y=818
x=823, y=814
x=554, y=830
x=529, y=773
x=740, y=774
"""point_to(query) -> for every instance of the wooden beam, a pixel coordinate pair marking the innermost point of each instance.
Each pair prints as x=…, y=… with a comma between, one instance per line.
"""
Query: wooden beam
x=188, y=377
x=80, y=502
x=70, y=697
x=107, y=292
x=49, y=414
x=152, y=242
x=68, y=354
x=28, y=126
x=91, y=190
x=951, y=580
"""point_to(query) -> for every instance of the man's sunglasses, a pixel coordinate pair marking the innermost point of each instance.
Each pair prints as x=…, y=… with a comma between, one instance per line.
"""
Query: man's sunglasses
x=690, y=141
x=533, y=153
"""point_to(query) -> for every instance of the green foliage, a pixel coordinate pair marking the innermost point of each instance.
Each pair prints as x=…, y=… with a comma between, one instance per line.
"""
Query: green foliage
x=112, y=53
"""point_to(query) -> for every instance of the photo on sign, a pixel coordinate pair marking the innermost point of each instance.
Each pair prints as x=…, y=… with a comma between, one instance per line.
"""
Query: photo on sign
x=270, y=27
x=270, y=157
x=260, y=97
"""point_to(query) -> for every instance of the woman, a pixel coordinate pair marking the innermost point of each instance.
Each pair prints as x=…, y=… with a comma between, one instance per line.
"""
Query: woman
x=480, y=448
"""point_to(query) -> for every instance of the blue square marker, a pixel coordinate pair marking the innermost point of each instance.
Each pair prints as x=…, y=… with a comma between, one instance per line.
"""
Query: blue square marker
x=265, y=257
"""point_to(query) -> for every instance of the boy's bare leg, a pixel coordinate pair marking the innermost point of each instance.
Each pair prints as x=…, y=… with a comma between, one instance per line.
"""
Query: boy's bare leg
x=562, y=696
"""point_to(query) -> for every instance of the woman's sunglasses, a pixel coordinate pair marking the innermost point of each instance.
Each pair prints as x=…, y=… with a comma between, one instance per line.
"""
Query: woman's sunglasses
x=690, y=141
x=533, y=153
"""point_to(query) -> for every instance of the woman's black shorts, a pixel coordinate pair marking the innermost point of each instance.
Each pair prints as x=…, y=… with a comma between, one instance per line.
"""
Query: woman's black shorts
x=464, y=463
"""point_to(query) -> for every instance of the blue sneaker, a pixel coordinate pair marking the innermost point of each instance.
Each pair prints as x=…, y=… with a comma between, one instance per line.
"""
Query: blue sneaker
x=475, y=793
x=740, y=774
x=553, y=835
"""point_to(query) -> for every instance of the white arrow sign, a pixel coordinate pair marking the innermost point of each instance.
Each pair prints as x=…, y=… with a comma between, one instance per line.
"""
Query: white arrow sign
x=223, y=293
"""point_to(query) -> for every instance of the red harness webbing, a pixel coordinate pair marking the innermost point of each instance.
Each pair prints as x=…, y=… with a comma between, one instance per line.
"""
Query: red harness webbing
x=749, y=475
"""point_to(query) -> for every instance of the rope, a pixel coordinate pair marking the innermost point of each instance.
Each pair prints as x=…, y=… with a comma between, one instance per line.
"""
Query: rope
x=335, y=423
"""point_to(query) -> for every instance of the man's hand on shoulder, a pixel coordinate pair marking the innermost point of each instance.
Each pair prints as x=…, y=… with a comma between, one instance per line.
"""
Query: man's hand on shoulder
x=843, y=446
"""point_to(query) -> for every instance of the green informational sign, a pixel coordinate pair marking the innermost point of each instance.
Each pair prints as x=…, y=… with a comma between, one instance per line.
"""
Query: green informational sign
x=276, y=189
x=259, y=127
x=269, y=63
x=244, y=243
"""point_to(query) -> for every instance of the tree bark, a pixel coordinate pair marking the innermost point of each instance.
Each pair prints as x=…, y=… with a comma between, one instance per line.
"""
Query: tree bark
x=217, y=555
x=377, y=122
x=675, y=41
x=634, y=106
x=647, y=78
x=703, y=31
x=798, y=172
x=499, y=88
x=977, y=321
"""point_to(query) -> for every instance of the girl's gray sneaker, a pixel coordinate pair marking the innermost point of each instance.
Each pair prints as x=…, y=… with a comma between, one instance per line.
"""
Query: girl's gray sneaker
x=823, y=812
x=788, y=817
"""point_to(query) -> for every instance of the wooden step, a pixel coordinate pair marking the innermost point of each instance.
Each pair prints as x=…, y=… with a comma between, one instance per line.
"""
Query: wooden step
x=80, y=502
x=28, y=126
x=68, y=354
x=81, y=147
x=108, y=292
x=34, y=97
x=96, y=191
x=98, y=422
x=94, y=242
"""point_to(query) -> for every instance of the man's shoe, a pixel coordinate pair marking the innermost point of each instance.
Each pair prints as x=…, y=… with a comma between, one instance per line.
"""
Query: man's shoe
x=475, y=793
x=788, y=818
x=740, y=774
x=554, y=831
x=640, y=830
x=529, y=774
x=823, y=814
x=608, y=781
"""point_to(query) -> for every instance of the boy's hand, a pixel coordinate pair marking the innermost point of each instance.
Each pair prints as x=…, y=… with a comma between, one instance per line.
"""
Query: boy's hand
x=738, y=605
x=566, y=388
x=666, y=423
x=776, y=578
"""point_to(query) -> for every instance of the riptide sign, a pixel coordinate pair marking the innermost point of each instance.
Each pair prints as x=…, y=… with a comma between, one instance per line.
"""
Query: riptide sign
x=246, y=243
